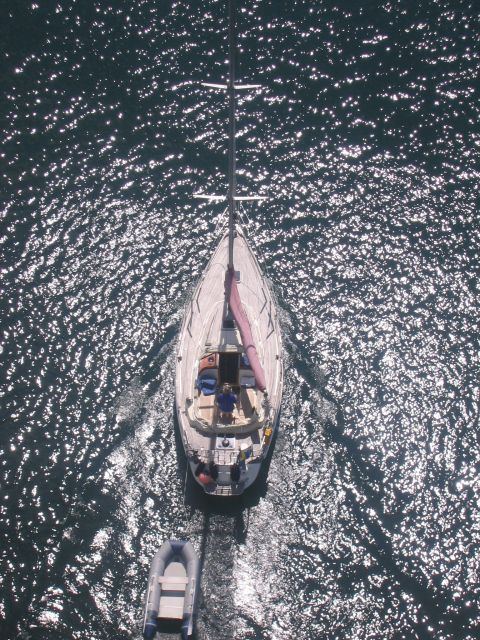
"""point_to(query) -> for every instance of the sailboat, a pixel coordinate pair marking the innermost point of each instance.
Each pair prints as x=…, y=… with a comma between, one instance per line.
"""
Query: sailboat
x=229, y=369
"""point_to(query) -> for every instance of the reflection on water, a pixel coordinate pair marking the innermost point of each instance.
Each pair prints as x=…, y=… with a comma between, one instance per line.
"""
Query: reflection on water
x=365, y=139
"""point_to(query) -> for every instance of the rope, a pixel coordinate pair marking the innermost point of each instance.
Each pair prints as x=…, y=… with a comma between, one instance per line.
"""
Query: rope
x=185, y=486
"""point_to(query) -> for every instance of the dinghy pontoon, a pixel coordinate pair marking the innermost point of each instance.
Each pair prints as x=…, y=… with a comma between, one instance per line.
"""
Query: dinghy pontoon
x=172, y=588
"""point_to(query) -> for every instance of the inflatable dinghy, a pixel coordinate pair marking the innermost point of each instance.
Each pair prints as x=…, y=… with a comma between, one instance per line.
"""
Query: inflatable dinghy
x=172, y=588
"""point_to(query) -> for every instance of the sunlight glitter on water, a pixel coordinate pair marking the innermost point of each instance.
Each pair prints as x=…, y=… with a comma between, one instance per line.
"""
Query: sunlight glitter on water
x=369, y=523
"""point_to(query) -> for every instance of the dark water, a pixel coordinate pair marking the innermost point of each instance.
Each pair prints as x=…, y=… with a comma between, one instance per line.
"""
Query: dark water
x=366, y=138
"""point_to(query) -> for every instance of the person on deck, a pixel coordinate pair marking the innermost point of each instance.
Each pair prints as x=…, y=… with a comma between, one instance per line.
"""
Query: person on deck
x=226, y=402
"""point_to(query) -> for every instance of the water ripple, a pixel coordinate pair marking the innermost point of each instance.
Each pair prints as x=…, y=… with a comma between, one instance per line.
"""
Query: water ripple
x=365, y=139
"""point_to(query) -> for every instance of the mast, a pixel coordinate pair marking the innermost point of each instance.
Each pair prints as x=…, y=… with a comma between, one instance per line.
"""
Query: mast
x=231, y=131
x=231, y=87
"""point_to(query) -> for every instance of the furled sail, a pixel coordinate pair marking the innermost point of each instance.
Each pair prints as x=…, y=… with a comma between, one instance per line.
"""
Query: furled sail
x=240, y=317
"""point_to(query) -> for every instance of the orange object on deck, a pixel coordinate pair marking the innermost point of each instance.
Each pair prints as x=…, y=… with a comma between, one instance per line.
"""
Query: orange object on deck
x=205, y=478
x=208, y=362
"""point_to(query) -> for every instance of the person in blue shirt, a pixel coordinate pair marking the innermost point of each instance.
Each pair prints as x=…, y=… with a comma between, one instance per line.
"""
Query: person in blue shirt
x=226, y=402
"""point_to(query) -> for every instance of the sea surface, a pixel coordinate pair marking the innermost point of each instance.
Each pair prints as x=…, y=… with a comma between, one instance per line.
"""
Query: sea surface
x=365, y=138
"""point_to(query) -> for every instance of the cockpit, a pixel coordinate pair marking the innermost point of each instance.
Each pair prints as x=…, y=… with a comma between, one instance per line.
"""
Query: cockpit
x=215, y=370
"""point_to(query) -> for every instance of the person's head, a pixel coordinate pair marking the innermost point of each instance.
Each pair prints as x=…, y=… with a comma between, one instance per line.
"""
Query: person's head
x=226, y=388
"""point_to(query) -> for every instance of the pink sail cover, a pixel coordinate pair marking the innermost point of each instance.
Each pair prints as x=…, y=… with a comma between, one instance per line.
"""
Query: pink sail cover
x=238, y=312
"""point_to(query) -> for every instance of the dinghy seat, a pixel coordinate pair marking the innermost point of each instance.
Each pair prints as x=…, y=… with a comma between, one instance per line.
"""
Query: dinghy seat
x=173, y=583
x=172, y=596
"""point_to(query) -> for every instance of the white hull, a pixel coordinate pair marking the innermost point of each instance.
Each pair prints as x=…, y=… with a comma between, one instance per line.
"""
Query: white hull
x=204, y=337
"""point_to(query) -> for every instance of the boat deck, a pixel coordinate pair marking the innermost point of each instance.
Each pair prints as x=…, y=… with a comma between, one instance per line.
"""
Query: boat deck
x=209, y=446
x=207, y=408
x=172, y=594
x=206, y=342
